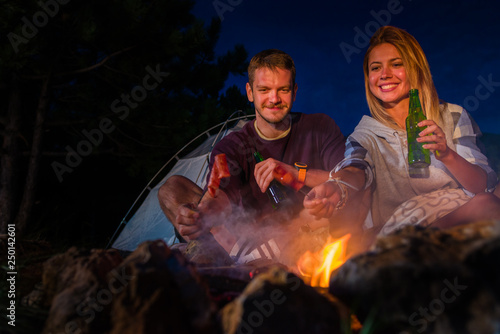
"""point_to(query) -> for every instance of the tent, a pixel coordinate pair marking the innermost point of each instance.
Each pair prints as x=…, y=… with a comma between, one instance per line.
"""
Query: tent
x=145, y=219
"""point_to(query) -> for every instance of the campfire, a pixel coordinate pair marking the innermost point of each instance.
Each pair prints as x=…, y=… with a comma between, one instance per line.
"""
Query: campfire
x=316, y=268
x=417, y=280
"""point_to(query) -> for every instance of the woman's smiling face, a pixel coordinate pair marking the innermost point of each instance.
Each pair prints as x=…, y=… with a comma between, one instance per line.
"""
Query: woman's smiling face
x=387, y=75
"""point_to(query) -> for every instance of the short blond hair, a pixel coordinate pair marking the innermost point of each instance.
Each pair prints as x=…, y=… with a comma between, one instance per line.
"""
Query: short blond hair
x=271, y=59
x=417, y=71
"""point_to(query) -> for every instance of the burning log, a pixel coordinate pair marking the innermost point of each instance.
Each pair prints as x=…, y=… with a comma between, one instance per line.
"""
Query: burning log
x=426, y=280
x=279, y=302
x=227, y=283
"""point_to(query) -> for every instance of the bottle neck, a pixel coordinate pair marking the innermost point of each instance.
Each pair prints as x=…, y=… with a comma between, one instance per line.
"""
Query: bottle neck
x=415, y=106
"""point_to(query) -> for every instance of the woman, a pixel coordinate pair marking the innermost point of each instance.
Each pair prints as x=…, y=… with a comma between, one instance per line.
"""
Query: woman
x=457, y=187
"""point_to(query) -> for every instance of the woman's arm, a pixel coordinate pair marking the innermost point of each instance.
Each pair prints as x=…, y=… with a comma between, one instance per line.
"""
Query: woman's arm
x=325, y=199
x=472, y=177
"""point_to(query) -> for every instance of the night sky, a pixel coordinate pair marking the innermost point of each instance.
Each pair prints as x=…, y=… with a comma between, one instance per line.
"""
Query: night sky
x=328, y=39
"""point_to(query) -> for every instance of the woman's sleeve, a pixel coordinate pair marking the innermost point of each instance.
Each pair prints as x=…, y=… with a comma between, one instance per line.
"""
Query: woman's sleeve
x=357, y=156
x=466, y=136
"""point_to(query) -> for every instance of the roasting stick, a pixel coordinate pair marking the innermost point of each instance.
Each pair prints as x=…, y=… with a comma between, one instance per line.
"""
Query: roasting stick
x=306, y=193
x=201, y=197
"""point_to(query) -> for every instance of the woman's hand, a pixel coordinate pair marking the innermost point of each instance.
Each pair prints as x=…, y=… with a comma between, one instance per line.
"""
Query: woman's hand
x=434, y=138
x=470, y=176
x=322, y=200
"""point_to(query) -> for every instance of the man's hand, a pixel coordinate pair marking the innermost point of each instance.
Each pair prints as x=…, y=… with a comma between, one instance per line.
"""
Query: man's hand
x=264, y=172
x=188, y=221
x=194, y=220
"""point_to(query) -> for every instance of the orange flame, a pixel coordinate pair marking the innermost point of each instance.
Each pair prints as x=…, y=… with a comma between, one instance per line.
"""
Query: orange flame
x=319, y=266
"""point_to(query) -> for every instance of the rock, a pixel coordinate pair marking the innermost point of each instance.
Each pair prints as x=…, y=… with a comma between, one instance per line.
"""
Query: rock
x=163, y=294
x=425, y=280
x=279, y=302
x=152, y=290
x=75, y=286
x=30, y=256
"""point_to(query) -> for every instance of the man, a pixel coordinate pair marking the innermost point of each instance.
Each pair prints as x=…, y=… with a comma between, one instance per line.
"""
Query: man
x=242, y=211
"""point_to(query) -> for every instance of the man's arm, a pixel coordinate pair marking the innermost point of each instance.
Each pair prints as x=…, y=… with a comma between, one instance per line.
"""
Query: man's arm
x=264, y=174
x=180, y=201
x=178, y=197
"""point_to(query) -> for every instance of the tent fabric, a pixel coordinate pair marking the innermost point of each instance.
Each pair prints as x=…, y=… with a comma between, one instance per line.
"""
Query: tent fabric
x=149, y=222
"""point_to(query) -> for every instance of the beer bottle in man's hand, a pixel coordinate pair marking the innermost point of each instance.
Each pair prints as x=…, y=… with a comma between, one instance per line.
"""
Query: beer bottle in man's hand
x=275, y=192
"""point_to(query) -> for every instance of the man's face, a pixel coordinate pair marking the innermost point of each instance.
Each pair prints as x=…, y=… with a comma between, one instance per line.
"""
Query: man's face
x=272, y=94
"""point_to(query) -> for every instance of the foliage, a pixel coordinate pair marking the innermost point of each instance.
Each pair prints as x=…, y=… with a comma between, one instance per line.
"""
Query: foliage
x=129, y=82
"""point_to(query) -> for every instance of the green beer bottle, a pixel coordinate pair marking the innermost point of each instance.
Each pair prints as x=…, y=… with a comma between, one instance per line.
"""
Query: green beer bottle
x=275, y=192
x=418, y=157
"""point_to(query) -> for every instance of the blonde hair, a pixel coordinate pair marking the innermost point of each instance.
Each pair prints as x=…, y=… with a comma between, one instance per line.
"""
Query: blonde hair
x=417, y=72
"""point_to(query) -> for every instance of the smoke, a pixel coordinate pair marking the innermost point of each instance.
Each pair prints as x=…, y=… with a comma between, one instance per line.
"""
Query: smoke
x=281, y=236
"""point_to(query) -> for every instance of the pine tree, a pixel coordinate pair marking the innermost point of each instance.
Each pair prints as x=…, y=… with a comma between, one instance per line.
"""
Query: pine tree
x=95, y=87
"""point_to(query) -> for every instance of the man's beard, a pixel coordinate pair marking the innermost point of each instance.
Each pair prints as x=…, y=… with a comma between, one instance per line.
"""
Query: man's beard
x=281, y=106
